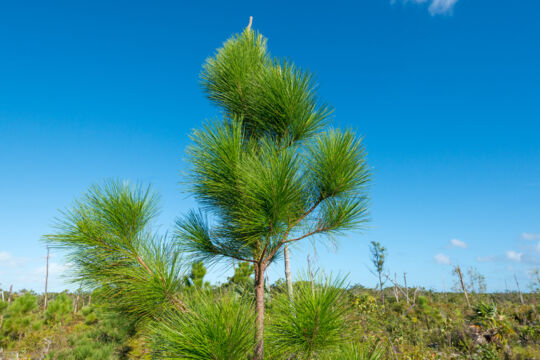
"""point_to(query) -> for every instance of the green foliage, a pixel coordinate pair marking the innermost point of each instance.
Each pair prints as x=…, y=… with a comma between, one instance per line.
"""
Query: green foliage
x=378, y=255
x=104, y=335
x=108, y=239
x=59, y=309
x=359, y=351
x=270, y=172
x=268, y=164
x=310, y=325
x=436, y=326
x=196, y=277
x=217, y=327
x=242, y=278
x=483, y=312
x=19, y=317
x=273, y=98
x=3, y=306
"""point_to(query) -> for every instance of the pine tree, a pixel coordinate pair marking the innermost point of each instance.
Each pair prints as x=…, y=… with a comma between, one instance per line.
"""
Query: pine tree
x=270, y=172
x=378, y=256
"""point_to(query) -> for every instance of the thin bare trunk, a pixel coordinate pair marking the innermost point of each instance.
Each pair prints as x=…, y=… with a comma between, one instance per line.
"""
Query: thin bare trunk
x=519, y=290
x=458, y=270
x=381, y=289
x=76, y=304
x=396, y=293
x=46, y=281
x=9, y=294
x=8, y=301
x=259, y=312
x=397, y=286
x=444, y=287
x=311, y=275
x=288, y=271
x=406, y=288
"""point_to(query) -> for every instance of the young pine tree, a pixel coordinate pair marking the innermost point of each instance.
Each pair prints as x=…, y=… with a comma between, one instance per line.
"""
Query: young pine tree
x=270, y=172
x=378, y=256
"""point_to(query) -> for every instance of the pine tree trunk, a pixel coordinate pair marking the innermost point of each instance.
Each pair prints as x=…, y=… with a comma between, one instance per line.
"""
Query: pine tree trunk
x=288, y=271
x=259, y=312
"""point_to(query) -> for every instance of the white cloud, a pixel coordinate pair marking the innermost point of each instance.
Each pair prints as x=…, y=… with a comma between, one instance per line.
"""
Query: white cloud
x=22, y=272
x=436, y=7
x=442, y=259
x=530, y=236
x=54, y=269
x=514, y=256
x=458, y=243
x=8, y=260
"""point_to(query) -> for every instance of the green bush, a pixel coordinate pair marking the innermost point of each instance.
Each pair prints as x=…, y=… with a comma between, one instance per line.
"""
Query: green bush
x=310, y=325
x=215, y=327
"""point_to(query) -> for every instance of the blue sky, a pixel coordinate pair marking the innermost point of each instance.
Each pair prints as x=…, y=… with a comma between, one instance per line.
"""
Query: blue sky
x=446, y=93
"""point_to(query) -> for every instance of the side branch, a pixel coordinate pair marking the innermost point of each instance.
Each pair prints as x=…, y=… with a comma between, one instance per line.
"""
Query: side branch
x=318, y=230
x=297, y=221
x=291, y=226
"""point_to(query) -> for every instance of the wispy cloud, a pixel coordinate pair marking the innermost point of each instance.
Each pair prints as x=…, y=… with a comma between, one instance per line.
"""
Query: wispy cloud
x=530, y=236
x=8, y=260
x=54, y=269
x=436, y=7
x=442, y=259
x=458, y=243
x=29, y=273
x=486, y=258
x=514, y=256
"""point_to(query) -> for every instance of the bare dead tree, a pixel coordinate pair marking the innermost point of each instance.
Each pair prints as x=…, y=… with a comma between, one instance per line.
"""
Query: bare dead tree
x=311, y=275
x=288, y=271
x=396, y=293
x=458, y=272
x=46, y=281
x=519, y=290
x=396, y=285
x=9, y=294
x=8, y=301
x=406, y=287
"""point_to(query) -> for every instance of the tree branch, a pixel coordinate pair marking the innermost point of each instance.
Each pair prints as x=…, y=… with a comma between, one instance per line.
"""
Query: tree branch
x=318, y=230
x=291, y=226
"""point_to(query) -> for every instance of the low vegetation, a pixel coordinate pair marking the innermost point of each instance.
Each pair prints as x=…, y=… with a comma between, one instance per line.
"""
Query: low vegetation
x=324, y=320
